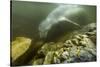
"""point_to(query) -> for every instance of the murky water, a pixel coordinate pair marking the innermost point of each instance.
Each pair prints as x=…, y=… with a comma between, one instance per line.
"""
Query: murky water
x=30, y=22
x=26, y=17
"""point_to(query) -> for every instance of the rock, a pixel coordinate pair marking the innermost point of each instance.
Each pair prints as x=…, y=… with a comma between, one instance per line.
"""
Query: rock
x=89, y=27
x=92, y=36
x=51, y=46
x=46, y=48
x=75, y=42
x=56, y=60
x=49, y=58
x=37, y=61
x=65, y=55
x=86, y=56
x=83, y=49
x=19, y=47
x=78, y=48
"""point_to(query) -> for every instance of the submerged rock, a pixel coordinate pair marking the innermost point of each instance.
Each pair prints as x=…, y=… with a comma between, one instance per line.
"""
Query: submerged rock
x=49, y=58
x=51, y=46
x=37, y=61
x=79, y=48
x=19, y=47
x=85, y=51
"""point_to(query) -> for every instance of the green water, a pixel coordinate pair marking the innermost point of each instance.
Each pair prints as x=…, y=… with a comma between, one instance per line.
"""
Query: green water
x=25, y=20
x=26, y=16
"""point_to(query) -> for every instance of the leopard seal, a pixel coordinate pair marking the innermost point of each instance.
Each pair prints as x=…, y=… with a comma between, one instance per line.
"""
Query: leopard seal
x=63, y=18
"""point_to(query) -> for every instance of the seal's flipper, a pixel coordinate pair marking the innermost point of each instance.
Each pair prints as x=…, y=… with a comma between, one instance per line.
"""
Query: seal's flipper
x=64, y=19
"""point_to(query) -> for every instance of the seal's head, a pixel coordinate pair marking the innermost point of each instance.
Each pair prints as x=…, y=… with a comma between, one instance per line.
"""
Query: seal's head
x=44, y=28
x=49, y=27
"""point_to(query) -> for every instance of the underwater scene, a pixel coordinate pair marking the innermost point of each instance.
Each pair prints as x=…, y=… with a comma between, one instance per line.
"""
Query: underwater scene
x=52, y=33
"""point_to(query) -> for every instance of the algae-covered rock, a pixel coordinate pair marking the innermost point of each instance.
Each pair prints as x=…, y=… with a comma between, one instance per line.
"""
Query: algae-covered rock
x=51, y=46
x=79, y=47
x=61, y=55
x=46, y=48
x=19, y=46
x=84, y=51
x=49, y=58
x=37, y=61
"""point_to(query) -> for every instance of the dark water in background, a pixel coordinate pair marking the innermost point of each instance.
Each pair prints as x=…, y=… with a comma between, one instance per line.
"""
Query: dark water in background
x=26, y=17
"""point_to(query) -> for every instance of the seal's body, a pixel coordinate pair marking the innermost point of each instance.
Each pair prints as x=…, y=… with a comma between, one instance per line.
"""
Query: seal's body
x=64, y=17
